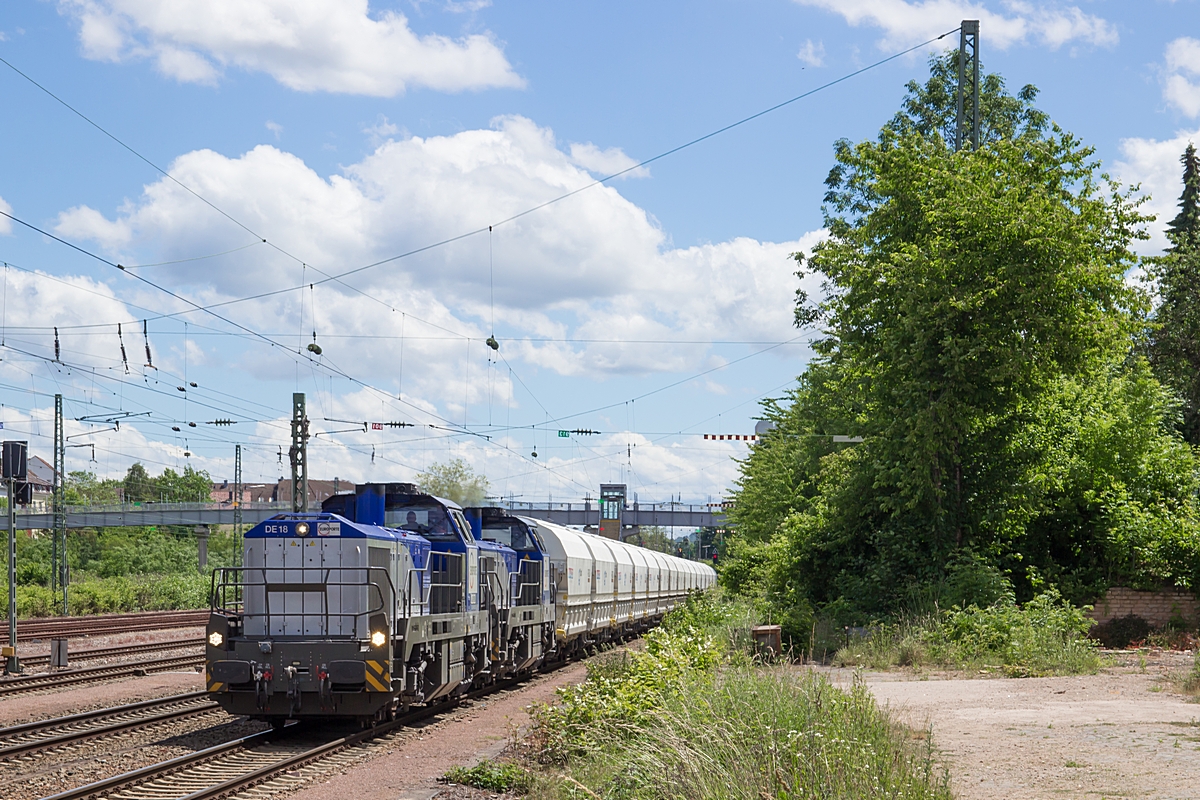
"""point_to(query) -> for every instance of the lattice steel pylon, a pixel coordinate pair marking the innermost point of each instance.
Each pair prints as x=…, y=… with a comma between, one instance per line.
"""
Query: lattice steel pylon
x=237, y=505
x=58, y=502
x=298, y=454
x=967, y=129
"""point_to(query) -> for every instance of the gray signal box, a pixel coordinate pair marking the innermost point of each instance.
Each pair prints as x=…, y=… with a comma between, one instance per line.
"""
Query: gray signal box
x=612, y=509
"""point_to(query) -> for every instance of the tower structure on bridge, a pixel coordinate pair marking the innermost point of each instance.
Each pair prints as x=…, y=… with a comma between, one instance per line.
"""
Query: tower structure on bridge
x=59, y=507
x=237, y=505
x=612, y=509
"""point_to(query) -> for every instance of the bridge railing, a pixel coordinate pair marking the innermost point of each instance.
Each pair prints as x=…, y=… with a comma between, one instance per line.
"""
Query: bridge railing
x=150, y=505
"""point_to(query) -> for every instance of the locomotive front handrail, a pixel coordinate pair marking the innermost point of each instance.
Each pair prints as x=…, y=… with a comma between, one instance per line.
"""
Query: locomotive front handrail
x=519, y=598
x=426, y=585
x=494, y=577
x=221, y=588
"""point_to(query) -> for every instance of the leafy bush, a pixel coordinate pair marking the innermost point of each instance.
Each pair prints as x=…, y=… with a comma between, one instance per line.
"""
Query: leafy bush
x=1046, y=636
x=490, y=775
x=628, y=687
x=115, y=595
x=693, y=717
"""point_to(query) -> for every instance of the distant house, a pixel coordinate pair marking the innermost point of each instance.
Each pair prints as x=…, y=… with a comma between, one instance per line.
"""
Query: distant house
x=40, y=476
x=278, y=492
x=223, y=493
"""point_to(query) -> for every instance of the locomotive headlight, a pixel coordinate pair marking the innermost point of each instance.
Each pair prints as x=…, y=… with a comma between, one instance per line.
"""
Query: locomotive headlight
x=378, y=639
x=216, y=639
x=302, y=529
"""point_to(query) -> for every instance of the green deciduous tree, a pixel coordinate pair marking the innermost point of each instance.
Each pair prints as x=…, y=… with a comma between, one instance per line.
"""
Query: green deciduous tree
x=979, y=338
x=455, y=480
x=138, y=486
x=192, y=486
x=84, y=488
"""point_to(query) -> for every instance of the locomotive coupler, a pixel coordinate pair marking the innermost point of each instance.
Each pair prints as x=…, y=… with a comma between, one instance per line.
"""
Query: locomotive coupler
x=263, y=675
x=293, y=691
x=324, y=685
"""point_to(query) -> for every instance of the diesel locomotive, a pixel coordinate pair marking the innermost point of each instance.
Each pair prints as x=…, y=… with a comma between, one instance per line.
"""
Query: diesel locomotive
x=390, y=597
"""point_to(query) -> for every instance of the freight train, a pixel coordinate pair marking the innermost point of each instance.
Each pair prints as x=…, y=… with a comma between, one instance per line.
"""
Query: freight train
x=390, y=597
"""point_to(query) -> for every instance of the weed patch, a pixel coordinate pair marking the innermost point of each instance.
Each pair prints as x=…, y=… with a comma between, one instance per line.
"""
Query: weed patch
x=1046, y=636
x=494, y=776
x=694, y=717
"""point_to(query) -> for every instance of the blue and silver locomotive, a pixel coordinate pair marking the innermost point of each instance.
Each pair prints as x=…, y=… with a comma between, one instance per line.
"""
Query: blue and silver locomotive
x=390, y=597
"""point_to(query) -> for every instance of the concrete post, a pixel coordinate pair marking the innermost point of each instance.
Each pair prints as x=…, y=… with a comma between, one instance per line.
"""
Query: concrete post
x=201, y=532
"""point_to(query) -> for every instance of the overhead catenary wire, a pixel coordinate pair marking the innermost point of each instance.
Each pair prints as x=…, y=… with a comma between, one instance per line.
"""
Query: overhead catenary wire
x=198, y=307
x=484, y=228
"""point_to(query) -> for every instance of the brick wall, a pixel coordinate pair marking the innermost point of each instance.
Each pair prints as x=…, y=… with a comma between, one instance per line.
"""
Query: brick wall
x=1157, y=608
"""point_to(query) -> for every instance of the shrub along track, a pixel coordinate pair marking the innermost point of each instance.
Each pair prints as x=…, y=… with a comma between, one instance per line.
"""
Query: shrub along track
x=34, y=737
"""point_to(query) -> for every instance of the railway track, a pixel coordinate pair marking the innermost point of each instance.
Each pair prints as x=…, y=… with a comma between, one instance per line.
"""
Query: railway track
x=74, y=677
x=106, y=652
x=65, y=627
x=33, y=737
x=251, y=760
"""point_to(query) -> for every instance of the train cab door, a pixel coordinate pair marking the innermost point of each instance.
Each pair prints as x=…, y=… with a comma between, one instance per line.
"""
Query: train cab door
x=379, y=559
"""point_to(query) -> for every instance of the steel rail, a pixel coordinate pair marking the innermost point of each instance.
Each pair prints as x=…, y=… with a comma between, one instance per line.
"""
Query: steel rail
x=65, y=627
x=123, y=722
x=175, y=768
x=54, y=680
x=102, y=652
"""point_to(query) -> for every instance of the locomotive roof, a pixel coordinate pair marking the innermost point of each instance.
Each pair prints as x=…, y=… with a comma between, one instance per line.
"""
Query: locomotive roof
x=285, y=525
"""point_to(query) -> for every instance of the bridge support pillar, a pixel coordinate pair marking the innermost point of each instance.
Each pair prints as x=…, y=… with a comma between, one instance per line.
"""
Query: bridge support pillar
x=201, y=532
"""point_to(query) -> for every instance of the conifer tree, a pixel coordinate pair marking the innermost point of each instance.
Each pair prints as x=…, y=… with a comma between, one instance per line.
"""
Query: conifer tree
x=1175, y=340
x=1184, y=230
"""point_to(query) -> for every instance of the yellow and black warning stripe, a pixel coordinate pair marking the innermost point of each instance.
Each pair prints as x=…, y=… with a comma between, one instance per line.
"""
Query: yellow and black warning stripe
x=378, y=678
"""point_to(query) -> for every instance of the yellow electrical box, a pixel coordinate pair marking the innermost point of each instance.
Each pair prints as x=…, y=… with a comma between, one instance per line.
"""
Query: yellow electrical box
x=7, y=651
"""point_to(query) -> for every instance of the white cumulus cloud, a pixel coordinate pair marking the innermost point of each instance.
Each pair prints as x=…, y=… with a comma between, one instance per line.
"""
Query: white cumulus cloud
x=605, y=162
x=307, y=45
x=1181, y=78
x=594, y=266
x=1155, y=165
x=906, y=22
x=5, y=222
x=812, y=54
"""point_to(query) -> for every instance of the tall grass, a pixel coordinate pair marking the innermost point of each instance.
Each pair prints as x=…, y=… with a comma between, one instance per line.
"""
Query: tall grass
x=1046, y=636
x=755, y=734
x=694, y=717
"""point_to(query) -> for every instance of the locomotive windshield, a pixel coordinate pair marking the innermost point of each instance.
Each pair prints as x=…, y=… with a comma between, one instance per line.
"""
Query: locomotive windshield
x=431, y=521
x=513, y=535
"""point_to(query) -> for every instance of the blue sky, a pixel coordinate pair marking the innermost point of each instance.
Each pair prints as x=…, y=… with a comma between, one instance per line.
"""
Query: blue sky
x=345, y=133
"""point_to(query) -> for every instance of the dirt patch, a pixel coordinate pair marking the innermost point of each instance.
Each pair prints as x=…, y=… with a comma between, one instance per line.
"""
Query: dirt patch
x=1121, y=733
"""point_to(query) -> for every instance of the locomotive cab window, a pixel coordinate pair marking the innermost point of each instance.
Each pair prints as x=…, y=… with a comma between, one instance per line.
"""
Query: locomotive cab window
x=513, y=536
x=430, y=521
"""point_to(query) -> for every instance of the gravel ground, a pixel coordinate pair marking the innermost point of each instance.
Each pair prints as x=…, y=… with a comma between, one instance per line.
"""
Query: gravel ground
x=406, y=765
x=1122, y=733
x=41, y=647
x=30, y=706
x=47, y=773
